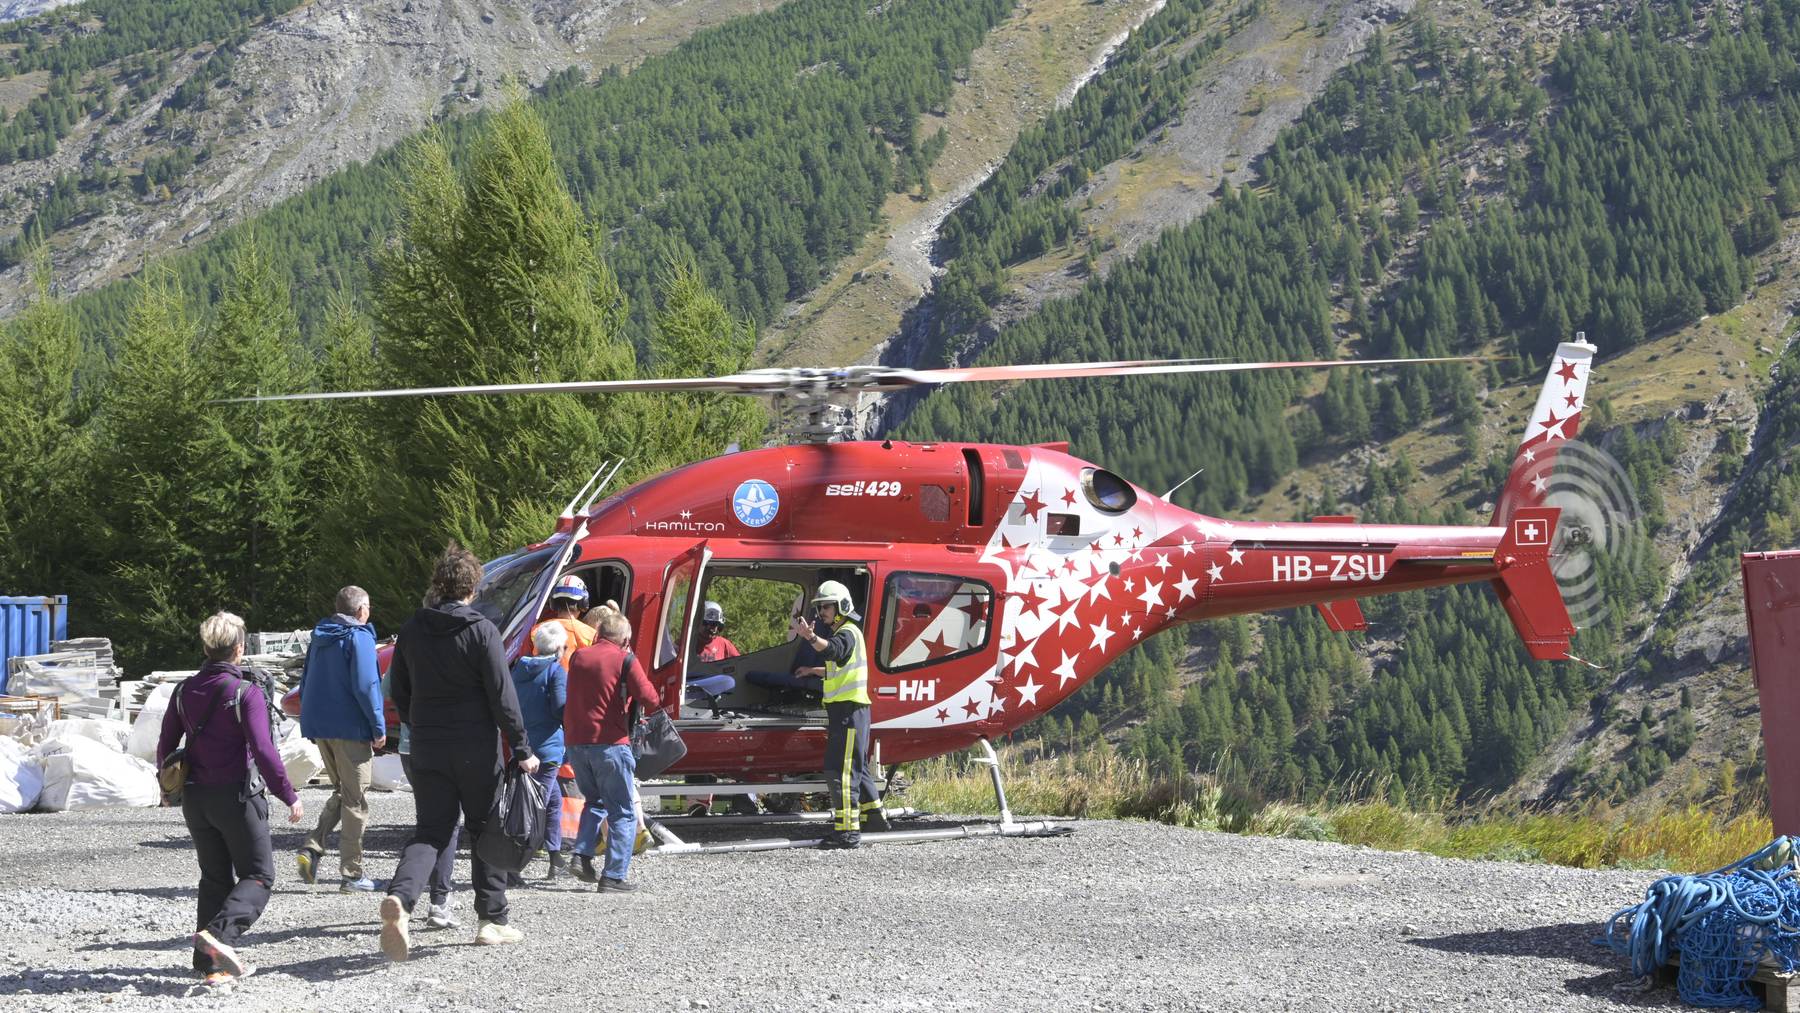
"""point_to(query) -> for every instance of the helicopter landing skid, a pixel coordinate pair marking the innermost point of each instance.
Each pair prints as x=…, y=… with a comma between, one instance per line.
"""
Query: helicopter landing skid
x=668, y=842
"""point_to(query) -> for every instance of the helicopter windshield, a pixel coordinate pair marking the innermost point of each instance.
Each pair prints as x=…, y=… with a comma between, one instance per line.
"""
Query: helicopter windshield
x=505, y=584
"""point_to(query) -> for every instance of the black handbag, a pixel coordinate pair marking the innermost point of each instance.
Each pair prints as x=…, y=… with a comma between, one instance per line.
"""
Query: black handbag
x=656, y=743
x=515, y=824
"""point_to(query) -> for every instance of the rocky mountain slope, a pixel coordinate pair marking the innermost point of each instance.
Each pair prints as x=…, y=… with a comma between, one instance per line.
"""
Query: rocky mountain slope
x=328, y=84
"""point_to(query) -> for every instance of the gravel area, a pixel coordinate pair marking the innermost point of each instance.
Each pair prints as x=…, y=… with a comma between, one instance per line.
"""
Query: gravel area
x=1119, y=916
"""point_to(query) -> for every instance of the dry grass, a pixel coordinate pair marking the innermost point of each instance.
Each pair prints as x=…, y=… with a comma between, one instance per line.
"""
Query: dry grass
x=1100, y=785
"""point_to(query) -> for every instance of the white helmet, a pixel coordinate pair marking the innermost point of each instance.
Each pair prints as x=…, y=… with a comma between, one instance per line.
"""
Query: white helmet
x=835, y=593
x=713, y=613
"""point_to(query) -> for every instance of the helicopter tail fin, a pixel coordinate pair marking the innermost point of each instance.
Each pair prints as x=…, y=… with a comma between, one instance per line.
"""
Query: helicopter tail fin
x=1554, y=419
x=1527, y=586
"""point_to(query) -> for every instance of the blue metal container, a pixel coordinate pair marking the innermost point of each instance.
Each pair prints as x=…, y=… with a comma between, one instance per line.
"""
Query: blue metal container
x=30, y=625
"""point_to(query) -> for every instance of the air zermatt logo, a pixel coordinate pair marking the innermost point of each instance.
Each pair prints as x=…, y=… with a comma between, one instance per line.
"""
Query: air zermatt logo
x=755, y=503
x=1531, y=532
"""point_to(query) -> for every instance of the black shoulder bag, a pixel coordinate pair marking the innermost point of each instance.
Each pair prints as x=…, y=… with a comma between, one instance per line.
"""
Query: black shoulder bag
x=655, y=741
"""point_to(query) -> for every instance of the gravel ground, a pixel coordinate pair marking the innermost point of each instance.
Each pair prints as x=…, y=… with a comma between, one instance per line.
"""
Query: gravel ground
x=1118, y=916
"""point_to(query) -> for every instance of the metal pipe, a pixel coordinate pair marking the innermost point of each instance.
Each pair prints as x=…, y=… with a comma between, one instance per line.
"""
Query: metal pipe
x=729, y=819
x=993, y=761
x=1032, y=829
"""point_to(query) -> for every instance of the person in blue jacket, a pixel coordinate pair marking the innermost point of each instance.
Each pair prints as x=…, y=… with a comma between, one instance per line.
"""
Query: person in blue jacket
x=543, y=688
x=341, y=711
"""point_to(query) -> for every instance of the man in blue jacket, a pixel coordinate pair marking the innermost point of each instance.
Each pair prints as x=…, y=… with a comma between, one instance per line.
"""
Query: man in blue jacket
x=341, y=711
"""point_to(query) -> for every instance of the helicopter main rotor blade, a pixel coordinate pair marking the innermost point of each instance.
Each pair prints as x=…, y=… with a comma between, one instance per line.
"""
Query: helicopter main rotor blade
x=819, y=382
x=1074, y=370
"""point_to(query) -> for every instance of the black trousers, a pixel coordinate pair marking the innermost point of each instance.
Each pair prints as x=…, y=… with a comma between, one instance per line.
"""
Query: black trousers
x=847, y=775
x=439, y=886
x=448, y=781
x=237, y=868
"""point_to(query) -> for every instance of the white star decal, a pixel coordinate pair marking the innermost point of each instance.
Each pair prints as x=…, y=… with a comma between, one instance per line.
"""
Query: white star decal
x=1530, y=456
x=1069, y=617
x=996, y=705
x=1152, y=596
x=1130, y=583
x=1237, y=555
x=1162, y=562
x=1066, y=670
x=1097, y=591
x=1028, y=691
x=1101, y=635
x=1187, y=546
x=1538, y=484
x=1025, y=656
x=1186, y=586
x=1216, y=572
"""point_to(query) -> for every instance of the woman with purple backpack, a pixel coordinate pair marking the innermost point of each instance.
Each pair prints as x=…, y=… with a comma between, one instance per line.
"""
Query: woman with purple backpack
x=225, y=720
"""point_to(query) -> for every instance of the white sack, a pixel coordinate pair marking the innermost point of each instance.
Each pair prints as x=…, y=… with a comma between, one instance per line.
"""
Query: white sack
x=80, y=773
x=149, y=723
x=390, y=774
x=114, y=735
x=302, y=760
x=21, y=778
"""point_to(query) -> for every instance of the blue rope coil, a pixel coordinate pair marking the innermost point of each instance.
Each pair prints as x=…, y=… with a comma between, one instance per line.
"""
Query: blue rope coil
x=1724, y=922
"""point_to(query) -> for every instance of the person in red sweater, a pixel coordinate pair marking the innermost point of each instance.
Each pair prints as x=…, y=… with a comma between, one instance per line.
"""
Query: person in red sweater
x=604, y=680
x=713, y=645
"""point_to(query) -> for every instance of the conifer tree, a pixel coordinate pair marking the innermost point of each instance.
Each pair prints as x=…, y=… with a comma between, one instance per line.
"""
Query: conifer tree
x=255, y=510
x=158, y=579
x=44, y=462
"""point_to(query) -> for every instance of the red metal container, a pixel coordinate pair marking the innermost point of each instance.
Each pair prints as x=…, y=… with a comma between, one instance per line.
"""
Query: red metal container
x=1772, y=604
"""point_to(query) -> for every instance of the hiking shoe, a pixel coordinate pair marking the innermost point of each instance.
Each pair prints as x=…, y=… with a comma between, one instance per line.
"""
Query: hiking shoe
x=699, y=809
x=876, y=821
x=221, y=982
x=839, y=839
x=744, y=806
x=360, y=885
x=611, y=885
x=497, y=934
x=439, y=917
x=224, y=957
x=395, y=941
x=308, y=860
x=558, y=865
x=584, y=869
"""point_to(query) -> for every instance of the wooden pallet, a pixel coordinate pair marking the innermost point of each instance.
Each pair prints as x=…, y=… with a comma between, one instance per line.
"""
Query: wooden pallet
x=1780, y=992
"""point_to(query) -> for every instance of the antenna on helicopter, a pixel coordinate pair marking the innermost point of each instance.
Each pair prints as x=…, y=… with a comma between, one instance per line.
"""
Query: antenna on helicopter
x=569, y=510
x=1183, y=482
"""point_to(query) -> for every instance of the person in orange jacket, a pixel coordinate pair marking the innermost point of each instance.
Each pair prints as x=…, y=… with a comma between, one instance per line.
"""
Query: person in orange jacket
x=567, y=600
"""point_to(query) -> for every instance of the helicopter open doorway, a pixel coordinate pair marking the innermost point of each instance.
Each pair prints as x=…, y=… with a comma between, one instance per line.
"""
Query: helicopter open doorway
x=759, y=599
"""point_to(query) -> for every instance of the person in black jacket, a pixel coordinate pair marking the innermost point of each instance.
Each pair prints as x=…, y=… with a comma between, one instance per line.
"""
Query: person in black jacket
x=450, y=684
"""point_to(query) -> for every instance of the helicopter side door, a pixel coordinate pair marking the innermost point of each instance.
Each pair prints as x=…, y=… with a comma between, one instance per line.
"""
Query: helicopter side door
x=676, y=609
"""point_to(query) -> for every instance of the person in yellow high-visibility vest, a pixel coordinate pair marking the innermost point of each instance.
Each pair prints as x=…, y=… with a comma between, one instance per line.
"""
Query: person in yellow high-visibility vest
x=855, y=803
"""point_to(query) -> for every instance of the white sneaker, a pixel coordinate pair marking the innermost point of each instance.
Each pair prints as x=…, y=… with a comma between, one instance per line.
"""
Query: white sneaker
x=496, y=934
x=439, y=917
x=396, y=943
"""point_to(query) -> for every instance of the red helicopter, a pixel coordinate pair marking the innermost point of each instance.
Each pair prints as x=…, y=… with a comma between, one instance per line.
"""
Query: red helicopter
x=993, y=581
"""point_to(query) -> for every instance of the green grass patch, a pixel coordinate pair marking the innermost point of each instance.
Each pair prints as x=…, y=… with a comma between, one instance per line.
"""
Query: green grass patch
x=1100, y=785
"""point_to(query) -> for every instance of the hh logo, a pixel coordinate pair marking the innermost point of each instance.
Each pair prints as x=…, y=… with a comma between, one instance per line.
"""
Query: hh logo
x=922, y=690
x=1531, y=532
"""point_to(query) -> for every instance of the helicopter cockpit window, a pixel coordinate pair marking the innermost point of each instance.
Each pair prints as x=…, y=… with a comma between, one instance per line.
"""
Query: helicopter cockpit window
x=1107, y=491
x=506, y=581
x=928, y=617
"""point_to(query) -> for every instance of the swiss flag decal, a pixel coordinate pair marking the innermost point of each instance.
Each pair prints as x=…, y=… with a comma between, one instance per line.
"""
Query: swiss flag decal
x=1531, y=531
